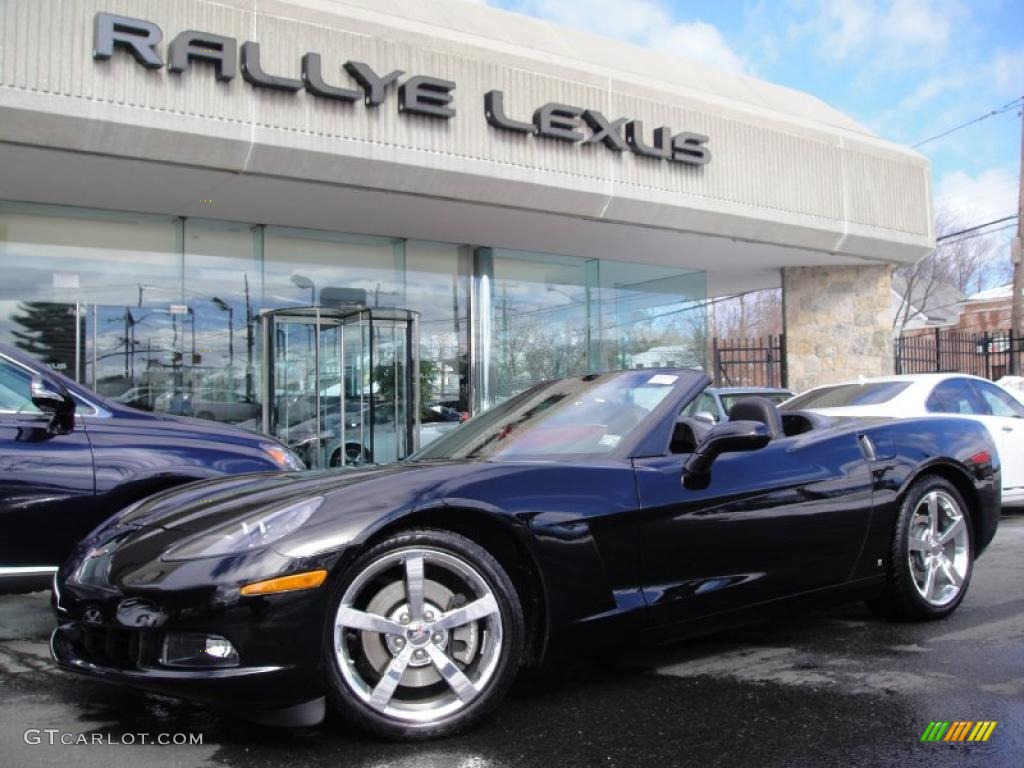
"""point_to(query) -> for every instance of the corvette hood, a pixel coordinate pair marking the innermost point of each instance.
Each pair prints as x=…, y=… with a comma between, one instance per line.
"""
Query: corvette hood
x=200, y=506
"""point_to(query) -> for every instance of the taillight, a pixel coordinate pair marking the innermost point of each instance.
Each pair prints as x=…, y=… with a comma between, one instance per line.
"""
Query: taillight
x=980, y=458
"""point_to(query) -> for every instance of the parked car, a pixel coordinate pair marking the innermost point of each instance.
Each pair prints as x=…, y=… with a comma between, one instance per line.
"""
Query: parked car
x=714, y=403
x=210, y=405
x=580, y=516
x=68, y=457
x=437, y=421
x=953, y=394
x=138, y=397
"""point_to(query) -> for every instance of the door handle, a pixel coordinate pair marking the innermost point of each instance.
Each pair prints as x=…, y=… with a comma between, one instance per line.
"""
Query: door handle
x=1007, y=429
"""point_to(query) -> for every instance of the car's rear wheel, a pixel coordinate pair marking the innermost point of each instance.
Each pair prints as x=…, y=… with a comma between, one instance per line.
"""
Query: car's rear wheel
x=425, y=636
x=932, y=553
x=355, y=455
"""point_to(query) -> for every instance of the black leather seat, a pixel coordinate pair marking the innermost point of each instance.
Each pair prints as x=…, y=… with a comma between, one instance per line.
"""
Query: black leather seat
x=758, y=409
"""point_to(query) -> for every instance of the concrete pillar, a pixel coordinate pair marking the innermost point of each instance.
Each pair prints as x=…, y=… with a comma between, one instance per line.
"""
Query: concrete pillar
x=838, y=323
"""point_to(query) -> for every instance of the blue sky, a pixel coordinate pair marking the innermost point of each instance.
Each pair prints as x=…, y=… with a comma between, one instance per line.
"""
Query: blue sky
x=906, y=69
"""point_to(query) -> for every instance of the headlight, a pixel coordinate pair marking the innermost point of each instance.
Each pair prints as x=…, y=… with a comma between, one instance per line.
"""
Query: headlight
x=281, y=456
x=246, y=534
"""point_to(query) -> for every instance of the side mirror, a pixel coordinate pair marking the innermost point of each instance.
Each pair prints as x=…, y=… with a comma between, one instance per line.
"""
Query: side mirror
x=730, y=437
x=50, y=397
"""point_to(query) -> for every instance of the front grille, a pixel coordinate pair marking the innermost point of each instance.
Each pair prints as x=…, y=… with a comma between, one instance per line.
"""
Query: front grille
x=112, y=646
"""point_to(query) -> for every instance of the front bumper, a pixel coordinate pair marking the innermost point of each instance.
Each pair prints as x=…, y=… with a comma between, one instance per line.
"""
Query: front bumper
x=130, y=657
x=115, y=633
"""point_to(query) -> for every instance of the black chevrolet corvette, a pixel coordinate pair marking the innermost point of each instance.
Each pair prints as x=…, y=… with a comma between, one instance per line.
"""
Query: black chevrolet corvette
x=578, y=514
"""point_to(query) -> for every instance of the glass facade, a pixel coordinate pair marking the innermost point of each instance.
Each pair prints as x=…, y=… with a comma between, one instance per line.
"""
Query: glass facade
x=164, y=313
x=552, y=316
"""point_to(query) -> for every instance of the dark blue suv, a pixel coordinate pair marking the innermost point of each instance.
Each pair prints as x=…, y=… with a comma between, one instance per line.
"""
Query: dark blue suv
x=70, y=458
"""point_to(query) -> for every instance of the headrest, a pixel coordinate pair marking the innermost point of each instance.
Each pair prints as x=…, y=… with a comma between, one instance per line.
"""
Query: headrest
x=757, y=409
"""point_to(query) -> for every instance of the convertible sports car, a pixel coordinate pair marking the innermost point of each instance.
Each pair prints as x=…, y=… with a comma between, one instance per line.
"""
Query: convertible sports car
x=580, y=514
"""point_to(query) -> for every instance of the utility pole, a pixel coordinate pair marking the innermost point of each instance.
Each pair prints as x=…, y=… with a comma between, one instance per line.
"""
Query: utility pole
x=1018, y=268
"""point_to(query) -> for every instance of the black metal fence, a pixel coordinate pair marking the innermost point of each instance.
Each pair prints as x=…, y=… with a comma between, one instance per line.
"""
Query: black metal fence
x=757, y=362
x=992, y=354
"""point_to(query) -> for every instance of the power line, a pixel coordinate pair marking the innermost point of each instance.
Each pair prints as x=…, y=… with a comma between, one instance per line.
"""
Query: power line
x=986, y=233
x=998, y=111
x=976, y=227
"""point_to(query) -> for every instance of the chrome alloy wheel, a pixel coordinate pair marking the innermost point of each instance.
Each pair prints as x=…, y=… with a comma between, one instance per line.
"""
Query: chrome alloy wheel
x=418, y=634
x=938, y=548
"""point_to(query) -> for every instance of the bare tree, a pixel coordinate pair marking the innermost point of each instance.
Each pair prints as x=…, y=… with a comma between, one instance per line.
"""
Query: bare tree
x=969, y=263
x=920, y=281
x=754, y=314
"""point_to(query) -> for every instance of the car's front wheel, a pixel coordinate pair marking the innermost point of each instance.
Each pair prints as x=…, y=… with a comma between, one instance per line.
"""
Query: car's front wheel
x=425, y=636
x=932, y=553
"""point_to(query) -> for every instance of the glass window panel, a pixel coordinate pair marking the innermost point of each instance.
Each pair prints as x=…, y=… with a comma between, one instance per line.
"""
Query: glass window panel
x=555, y=316
x=540, y=311
x=92, y=294
x=440, y=294
x=306, y=267
x=311, y=268
x=223, y=279
x=652, y=317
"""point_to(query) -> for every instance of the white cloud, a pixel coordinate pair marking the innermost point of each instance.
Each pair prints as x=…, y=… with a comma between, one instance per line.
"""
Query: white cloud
x=648, y=23
x=934, y=87
x=917, y=23
x=696, y=40
x=986, y=196
x=1008, y=72
x=843, y=26
x=891, y=33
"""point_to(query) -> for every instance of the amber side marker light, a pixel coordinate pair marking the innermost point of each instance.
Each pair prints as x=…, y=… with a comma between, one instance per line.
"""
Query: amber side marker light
x=295, y=581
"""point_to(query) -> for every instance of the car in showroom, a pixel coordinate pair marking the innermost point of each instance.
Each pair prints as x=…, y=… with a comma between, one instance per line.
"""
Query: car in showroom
x=306, y=440
x=209, y=405
x=69, y=458
x=580, y=516
x=948, y=394
x=714, y=403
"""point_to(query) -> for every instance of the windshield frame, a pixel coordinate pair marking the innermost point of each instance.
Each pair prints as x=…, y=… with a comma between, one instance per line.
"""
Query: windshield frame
x=650, y=437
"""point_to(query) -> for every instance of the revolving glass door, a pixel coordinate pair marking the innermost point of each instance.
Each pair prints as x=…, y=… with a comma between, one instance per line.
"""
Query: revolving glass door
x=341, y=385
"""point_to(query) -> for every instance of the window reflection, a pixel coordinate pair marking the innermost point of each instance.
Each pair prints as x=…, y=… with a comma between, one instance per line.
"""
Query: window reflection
x=652, y=317
x=438, y=290
x=303, y=268
x=163, y=313
x=91, y=295
x=542, y=308
x=223, y=278
x=557, y=316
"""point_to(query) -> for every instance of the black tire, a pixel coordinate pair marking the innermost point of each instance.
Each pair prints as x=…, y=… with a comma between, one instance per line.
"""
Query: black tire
x=358, y=712
x=902, y=599
x=356, y=454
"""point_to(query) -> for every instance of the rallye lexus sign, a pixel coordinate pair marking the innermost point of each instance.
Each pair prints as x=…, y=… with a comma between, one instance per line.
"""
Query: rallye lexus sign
x=417, y=94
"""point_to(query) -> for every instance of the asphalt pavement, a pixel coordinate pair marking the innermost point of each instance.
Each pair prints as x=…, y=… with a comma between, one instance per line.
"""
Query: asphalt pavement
x=834, y=688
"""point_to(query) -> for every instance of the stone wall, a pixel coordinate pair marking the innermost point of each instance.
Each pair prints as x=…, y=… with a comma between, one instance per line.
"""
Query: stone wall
x=838, y=323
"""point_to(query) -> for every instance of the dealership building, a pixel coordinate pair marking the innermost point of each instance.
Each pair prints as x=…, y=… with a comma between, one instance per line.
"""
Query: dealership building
x=222, y=207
